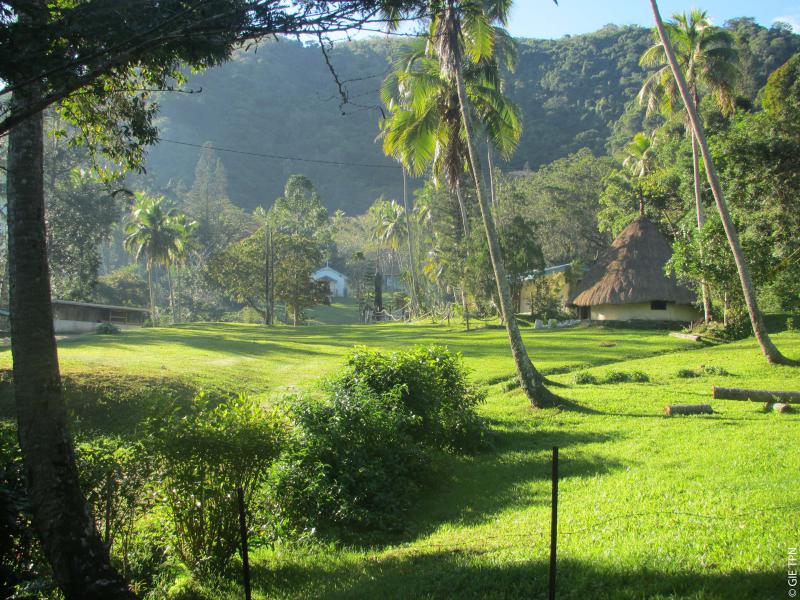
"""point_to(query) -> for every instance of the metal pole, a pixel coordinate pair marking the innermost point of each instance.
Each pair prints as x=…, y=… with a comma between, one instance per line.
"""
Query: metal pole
x=243, y=531
x=553, y=527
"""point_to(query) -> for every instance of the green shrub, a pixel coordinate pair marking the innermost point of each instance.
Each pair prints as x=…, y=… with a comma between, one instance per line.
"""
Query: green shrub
x=205, y=454
x=115, y=475
x=107, y=329
x=687, y=373
x=432, y=384
x=712, y=370
x=584, y=378
x=791, y=324
x=626, y=377
x=354, y=464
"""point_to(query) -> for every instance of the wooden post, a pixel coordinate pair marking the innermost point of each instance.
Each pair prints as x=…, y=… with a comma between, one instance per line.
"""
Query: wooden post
x=553, y=527
x=243, y=531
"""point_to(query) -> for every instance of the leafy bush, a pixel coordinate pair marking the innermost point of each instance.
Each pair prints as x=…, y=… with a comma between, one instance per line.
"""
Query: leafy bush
x=432, y=385
x=107, y=329
x=712, y=370
x=21, y=561
x=791, y=324
x=585, y=378
x=115, y=476
x=354, y=463
x=626, y=377
x=205, y=454
x=687, y=373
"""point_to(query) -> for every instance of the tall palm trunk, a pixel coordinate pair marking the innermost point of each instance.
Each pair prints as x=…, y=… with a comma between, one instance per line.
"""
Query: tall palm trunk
x=61, y=516
x=769, y=349
x=701, y=219
x=530, y=379
x=411, y=262
x=152, y=293
x=171, y=292
x=490, y=165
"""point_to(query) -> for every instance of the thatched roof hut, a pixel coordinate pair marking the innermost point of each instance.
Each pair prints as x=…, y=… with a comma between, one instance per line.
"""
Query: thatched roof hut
x=628, y=281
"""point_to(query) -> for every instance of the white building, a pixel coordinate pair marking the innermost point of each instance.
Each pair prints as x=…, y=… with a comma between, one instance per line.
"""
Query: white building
x=336, y=281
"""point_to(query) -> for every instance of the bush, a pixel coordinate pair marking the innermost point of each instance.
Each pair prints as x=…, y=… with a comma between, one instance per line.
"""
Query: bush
x=355, y=464
x=107, y=329
x=791, y=324
x=115, y=476
x=432, y=384
x=687, y=373
x=712, y=370
x=205, y=454
x=626, y=377
x=584, y=378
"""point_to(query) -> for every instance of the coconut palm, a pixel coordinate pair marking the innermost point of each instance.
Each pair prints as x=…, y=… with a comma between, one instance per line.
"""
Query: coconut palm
x=639, y=161
x=156, y=235
x=462, y=36
x=708, y=59
x=769, y=349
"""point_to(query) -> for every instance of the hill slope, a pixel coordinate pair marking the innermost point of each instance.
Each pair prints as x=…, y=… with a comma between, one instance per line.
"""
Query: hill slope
x=282, y=100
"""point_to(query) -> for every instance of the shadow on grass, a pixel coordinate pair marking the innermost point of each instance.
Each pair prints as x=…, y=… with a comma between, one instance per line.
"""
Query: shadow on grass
x=473, y=490
x=472, y=574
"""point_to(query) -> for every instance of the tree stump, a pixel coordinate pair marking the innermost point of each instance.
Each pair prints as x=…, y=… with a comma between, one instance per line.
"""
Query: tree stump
x=688, y=409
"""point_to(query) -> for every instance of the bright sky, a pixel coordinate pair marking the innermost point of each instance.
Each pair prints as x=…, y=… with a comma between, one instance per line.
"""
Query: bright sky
x=543, y=19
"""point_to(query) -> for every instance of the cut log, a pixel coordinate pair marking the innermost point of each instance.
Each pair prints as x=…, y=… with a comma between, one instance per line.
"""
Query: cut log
x=688, y=409
x=723, y=393
x=777, y=407
x=686, y=336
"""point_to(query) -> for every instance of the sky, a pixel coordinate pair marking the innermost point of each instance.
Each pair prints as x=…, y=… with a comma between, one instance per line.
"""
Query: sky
x=543, y=19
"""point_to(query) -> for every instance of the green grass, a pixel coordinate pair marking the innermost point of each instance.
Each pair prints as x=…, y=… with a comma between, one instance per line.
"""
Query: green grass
x=650, y=507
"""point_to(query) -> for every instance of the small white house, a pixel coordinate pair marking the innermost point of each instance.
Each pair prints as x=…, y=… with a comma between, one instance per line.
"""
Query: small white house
x=336, y=281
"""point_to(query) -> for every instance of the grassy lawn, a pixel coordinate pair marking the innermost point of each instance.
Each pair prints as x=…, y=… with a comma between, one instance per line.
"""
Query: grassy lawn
x=650, y=507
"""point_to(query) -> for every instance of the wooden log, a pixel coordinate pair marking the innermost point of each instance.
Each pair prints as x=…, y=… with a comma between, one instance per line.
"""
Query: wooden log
x=723, y=393
x=777, y=407
x=686, y=336
x=688, y=409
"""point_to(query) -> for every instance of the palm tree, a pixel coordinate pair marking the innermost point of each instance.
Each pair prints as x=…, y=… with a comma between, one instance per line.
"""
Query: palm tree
x=769, y=349
x=639, y=160
x=707, y=57
x=156, y=235
x=462, y=36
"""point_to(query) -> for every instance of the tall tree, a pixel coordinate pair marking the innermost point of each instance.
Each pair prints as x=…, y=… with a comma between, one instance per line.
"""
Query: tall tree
x=708, y=59
x=457, y=31
x=48, y=52
x=768, y=348
x=158, y=236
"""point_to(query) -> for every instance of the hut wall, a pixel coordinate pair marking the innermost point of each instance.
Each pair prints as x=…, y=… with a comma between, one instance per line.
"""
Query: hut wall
x=628, y=312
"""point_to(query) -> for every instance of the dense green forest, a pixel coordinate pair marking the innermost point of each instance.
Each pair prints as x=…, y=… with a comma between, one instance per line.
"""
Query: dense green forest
x=281, y=99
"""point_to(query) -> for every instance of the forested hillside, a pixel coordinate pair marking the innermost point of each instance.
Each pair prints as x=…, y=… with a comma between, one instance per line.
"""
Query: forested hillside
x=282, y=100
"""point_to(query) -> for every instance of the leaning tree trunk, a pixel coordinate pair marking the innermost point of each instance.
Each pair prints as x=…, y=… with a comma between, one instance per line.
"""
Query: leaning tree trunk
x=411, y=262
x=772, y=353
x=61, y=515
x=701, y=219
x=530, y=379
x=492, y=192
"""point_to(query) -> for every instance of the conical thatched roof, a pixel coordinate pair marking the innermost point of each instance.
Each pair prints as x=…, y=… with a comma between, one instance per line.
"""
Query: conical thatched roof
x=632, y=271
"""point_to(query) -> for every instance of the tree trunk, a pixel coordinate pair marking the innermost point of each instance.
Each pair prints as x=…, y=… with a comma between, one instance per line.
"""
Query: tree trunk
x=171, y=293
x=61, y=516
x=267, y=274
x=464, y=306
x=412, y=264
x=772, y=353
x=152, y=294
x=491, y=173
x=701, y=219
x=530, y=380
x=463, y=209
